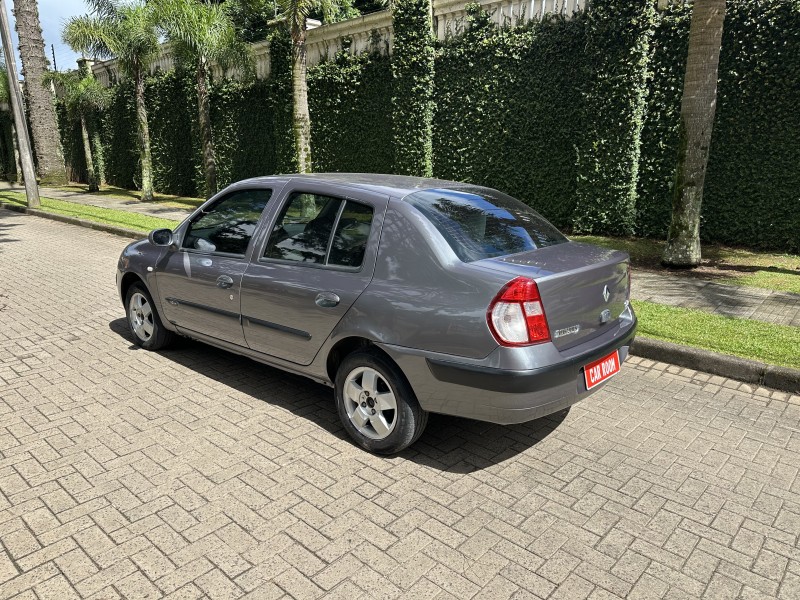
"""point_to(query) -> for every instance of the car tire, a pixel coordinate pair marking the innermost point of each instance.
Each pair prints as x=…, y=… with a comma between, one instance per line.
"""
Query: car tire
x=143, y=319
x=376, y=404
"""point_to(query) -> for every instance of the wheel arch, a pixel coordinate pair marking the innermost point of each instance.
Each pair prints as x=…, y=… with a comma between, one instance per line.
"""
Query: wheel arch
x=344, y=348
x=128, y=279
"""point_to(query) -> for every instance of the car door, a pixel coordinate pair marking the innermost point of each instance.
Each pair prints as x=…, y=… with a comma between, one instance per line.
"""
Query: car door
x=199, y=281
x=319, y=256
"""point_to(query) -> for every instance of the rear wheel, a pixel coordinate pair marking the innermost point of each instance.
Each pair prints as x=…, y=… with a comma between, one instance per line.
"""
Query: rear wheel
x=146, y=326
x=376, y=404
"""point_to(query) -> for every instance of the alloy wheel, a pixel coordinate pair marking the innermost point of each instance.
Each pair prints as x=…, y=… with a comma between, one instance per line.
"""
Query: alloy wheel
x=370, y=403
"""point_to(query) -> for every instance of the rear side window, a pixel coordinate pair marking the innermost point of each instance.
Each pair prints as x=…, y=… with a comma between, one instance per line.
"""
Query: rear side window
x=304, y=228
x=322, y=230
x=483, y=224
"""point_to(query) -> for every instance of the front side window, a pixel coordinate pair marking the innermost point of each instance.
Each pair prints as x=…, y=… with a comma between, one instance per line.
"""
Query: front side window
x=322, y=230
x=482, y=223
x=228, y=226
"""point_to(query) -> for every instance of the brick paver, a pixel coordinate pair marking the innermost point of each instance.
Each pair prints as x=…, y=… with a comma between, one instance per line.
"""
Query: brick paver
x=194, y=473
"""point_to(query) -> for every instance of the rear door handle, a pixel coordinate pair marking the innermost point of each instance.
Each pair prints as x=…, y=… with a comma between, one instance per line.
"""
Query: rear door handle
x=326, y=300
x=224, y=282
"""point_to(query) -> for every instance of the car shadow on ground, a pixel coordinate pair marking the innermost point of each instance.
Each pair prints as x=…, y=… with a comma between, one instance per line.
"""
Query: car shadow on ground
x=449, y=444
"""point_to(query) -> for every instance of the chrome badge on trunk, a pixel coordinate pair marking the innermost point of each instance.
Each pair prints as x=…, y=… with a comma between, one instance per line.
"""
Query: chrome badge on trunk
x=566, y=331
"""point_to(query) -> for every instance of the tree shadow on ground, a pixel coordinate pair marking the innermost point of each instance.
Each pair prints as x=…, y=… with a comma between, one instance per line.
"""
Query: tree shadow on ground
x=6, y=227
x=448, y=444
x=132, y=196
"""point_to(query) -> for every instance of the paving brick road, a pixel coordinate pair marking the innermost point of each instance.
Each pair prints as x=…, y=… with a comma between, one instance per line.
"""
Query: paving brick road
x=194, y=473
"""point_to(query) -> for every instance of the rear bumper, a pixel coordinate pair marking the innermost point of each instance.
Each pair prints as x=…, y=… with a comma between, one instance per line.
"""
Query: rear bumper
x=506, y=396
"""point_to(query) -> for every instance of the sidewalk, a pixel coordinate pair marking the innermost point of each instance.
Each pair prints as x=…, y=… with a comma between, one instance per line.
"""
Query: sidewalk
x=741, y=302
x=737, y=301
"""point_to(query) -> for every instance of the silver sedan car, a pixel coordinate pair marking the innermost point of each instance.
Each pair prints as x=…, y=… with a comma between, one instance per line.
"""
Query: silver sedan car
x=406, y=295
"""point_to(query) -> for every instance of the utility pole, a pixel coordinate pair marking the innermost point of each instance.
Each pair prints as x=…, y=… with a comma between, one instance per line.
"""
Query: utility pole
x=21, y=123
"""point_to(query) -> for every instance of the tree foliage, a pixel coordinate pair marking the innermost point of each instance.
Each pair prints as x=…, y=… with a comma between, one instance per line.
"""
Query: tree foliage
x=127, y=32
x=83, y=98
x=203, y=36
x=510, y=112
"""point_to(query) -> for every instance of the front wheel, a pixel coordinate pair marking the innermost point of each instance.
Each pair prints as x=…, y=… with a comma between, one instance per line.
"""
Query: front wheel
x=148, y=330
x=376, y=404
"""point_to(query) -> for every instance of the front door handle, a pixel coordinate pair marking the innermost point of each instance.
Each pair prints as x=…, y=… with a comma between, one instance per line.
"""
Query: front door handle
x=224, y=282
x=326, y=300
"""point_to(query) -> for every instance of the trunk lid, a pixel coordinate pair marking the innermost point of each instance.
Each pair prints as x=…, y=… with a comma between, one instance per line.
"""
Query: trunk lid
x=572, y=280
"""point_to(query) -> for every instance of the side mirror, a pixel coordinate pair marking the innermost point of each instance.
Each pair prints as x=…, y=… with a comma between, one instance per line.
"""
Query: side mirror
x=160, y=237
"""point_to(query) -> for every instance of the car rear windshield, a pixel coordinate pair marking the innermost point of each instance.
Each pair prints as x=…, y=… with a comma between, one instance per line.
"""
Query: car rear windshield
x=482, y=224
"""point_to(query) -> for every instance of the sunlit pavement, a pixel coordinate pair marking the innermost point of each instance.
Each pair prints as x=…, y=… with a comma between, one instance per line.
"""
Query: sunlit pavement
x=196, y=473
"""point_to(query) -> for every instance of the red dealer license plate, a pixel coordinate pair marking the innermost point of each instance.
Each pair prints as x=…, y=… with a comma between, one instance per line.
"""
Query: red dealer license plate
x=600, y=370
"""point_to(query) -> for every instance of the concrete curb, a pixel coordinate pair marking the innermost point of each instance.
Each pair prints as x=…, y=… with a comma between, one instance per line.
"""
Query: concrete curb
x=784, y=379
x=129, y=233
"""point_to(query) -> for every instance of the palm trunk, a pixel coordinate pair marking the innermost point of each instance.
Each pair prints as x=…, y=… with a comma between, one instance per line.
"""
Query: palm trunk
x=144, y=140
x=39, y=99
x=206, y=133
x=301, y=116
x=87, y=150
x=17, y=163
x=99, y=163
x=697, y=121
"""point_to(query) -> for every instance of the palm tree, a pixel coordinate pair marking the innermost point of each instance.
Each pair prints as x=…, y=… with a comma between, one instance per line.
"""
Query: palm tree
x=204, y=34
x=127, y=32
x=698, y=106
x=295, y=14
x=39, y=100
x=83, y=96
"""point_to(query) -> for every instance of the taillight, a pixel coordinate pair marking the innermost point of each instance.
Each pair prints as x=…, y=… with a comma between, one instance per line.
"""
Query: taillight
x=516, y=315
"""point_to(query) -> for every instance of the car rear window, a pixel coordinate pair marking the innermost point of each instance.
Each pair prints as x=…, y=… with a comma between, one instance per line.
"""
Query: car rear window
x=483, y=224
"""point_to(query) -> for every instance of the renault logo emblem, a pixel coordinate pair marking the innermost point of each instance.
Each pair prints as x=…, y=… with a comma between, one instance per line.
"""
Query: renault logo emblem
x=606, y=293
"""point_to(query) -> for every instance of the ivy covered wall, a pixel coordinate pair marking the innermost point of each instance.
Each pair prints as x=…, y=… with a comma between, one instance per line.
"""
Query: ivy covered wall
x=508, y=110
x=350, y=102
x=578, y=117
x=752, y=193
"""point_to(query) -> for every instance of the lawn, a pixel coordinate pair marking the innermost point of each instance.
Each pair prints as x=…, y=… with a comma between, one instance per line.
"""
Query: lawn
x=766, y=342
x=733, y=266
x=122, y=194
x=95, y=214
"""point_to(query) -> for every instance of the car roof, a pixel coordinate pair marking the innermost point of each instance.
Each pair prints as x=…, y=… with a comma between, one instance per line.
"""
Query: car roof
x=393, y=185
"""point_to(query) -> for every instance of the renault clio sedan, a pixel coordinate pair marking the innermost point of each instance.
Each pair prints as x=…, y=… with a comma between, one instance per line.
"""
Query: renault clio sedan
x=408, y=296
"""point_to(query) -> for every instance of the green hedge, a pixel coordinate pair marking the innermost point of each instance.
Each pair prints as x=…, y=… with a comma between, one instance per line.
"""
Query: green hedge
x=614, y=71
x=172, y=117
x=659, y=139
x=349, y=99
x=752, y=191
x=508, y=110
x=119, y=138
x=7, y=163
x=752, y=188
x=413, y=87
x=578, y=117
x=251, y=122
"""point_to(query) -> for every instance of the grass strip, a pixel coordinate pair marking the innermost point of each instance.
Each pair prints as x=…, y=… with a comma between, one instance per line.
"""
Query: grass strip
x=733, y=266
x=110, y=191
x=95, y=214
x=756, y=340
